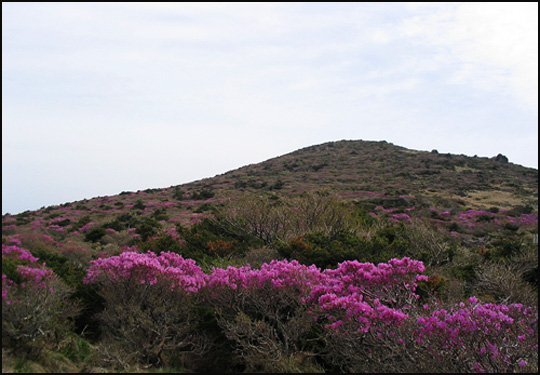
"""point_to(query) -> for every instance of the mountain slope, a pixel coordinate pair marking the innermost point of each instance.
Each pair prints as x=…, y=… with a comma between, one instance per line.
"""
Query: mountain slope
x=372, y=173
x=381, y=167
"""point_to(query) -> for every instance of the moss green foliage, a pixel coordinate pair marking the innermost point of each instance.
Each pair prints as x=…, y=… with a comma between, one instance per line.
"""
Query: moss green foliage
x=123, y=221
x=160, y=215
x=61, y=266
x=147, y=228
x=504, y=248
x=139, y=205
x=326, y=251
x=95, y=234
x=162, y=243
x=203, y=194
x=77, y=349
x=9, y=268
x=178, y=194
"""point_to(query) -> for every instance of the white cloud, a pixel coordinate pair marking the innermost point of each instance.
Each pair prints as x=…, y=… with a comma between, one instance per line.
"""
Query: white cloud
x=493, y=46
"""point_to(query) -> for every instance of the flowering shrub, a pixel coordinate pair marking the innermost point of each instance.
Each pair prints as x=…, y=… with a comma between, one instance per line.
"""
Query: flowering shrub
x=263, y=312
x=148, y=268
x=476, y=337
x=364, y=308
x=394, y=283
x=357, y=317
x=363, y=292
x=34, y=301
x=272, y=313
x=149, y=315
x=17, y=253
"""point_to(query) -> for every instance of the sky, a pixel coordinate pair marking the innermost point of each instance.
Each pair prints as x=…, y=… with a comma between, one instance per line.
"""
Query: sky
x=100, y=98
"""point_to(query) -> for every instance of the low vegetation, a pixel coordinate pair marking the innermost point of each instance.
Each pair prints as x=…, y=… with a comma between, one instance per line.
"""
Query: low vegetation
x=291, y=265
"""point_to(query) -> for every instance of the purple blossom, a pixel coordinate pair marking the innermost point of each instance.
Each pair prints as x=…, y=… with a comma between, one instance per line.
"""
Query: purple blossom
x=18, y=252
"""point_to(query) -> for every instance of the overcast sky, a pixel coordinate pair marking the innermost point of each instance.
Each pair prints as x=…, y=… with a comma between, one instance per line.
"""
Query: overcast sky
x=99, y=98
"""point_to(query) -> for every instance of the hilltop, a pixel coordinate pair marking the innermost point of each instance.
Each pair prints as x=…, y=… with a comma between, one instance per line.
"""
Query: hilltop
x=383, y=168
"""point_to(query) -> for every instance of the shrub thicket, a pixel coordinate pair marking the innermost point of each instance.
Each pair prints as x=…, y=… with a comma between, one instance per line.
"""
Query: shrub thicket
x=36, y=308
x=288, y=317
x=328, y=250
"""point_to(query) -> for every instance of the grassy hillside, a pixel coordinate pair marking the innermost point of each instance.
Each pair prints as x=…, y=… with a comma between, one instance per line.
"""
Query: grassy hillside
x=472, y=222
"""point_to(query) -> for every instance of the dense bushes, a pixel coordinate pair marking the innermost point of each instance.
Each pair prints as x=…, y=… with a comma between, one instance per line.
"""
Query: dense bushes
x=164, y=311
x=95, y=234
x=262, y=312
x=35, y=305
x=213, y=238
x=346, y=298
x=149, y=316
x=286, y=317
x=328, y=250
x=272, y=219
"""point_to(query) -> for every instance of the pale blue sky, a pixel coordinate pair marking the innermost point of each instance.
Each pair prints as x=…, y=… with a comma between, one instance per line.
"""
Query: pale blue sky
x=99, y=98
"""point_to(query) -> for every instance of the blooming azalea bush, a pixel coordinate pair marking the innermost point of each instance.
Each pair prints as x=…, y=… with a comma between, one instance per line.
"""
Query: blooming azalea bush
x=35, y=305
x=264, y=313
x=286, y=316
x=476, y=337
x=364, y=309
x=149, y=314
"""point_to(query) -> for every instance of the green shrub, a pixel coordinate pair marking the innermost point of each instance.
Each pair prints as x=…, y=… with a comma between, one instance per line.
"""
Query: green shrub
x=63, y=223
x=178, y=194
x=204, y=208
x=326, y=251
x=465, y=272
x=95, y=234
x=278, y=185
x=80, y=223
x=209, y=237
x=9, y=268
x=115, y=224
x=160, y=215
x=203, y=194
x=504, y=248
x=164, y=242
x=139, y=205
x=147, y=228
x=76, y=349
x=70, y=274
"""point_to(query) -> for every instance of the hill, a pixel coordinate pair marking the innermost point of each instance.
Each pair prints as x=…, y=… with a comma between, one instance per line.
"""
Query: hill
x=469, y=196
x=382, y=168
x=371, y=174
x=472, y=221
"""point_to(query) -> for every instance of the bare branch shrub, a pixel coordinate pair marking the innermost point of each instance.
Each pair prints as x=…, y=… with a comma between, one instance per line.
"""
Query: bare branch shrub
x=272, y=221
x=32, y=315
x=428, y=245
x=270, y=327
x=503, y=281
x=149, y=324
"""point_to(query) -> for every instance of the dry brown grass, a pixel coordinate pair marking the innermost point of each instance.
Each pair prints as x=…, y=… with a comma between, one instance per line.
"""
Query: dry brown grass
x=497, y=198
